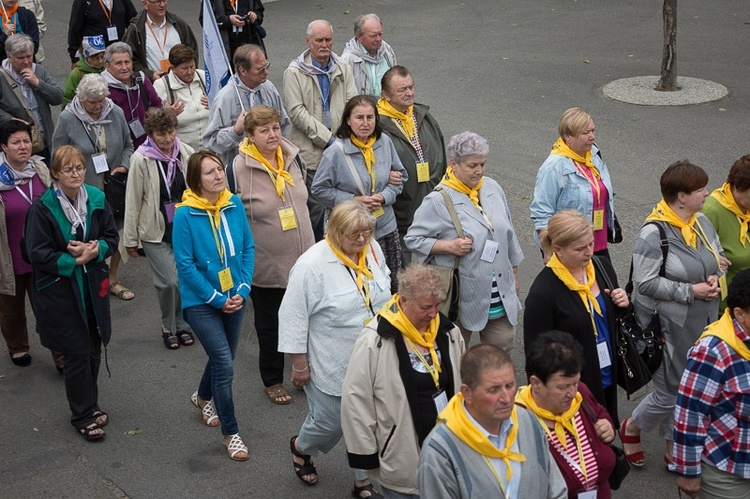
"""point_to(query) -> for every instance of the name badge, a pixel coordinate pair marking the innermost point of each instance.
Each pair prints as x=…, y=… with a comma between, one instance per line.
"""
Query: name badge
x=441, y=401
x=604, y=361
x=587, y=494
x=598, y=219
x=379, y=212
x=288, y=220
x=165, y=65
x=723, y=286
x=169, y=209
x=137, y=129
x=489, y=251
x=423, y=172
x=225, y=280
x=112, y=33
x=100, y=162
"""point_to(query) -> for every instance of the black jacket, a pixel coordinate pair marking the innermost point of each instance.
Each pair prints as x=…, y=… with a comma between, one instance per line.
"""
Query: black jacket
x=87, y=18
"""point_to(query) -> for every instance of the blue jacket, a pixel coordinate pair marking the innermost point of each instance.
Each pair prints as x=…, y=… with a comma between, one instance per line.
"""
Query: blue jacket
x=197, y=259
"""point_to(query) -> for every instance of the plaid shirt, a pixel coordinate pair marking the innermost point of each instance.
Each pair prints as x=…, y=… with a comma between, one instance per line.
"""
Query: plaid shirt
x=712, y=416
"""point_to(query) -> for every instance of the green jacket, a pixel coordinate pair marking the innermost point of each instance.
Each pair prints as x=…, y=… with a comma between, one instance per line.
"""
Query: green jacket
x=74, y=78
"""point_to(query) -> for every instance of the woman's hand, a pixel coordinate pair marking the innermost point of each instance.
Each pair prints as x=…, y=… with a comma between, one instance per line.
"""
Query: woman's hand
x=178, y=107
x=706, y=290
x=119, y=169
x=395, y=178
x=300, y=369
x=690, y=486
x=619, y=297
x=371, y=202
x=233, y=304
x=605, y=431
x=461, y=246
x=204, y=101
x=724, y=263
x=132, y=252
x=88, y=251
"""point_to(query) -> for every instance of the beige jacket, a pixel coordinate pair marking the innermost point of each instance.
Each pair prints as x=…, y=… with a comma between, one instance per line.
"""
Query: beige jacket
x=305, y=108
x=276, y=250
x=143, y=218
x=7, y=276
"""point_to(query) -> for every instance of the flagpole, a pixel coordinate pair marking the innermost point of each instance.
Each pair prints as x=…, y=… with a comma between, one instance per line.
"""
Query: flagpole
x=231, y=77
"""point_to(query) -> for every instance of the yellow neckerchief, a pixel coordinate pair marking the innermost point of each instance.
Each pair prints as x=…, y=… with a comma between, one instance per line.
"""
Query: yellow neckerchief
x=726, y=199
x=193, y=200
x=583, y=290
x=724, y=330
x=458, y=422
x=663, y=213
x=279, y=177
x=564, y=421
x=393, y=313
x=450, y=180
x=407, y=119
x=367, y=152
x=561, y=149
x=363, y=272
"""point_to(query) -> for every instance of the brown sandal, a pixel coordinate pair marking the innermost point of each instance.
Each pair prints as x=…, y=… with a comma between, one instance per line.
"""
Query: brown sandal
x=276, y=393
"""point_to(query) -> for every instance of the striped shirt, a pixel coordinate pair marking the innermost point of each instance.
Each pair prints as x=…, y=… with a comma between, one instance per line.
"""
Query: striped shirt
x=570, y=455
x=497, y=309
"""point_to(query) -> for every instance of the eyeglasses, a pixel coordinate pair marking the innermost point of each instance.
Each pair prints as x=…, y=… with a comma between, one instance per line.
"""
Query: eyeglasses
x=70, y=171
x=158, y=2
x=362, y=233
x=263, y=68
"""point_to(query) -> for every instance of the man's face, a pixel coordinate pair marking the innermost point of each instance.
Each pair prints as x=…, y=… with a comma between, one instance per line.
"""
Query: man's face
x=401, y=94
x=21, y=61
x=320, y=42
x=257, y=73
x=156, y=9
x=491, y=402
x=372, y=36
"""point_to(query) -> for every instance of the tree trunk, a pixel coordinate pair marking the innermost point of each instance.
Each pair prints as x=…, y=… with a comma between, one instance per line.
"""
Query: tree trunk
x=668, y=80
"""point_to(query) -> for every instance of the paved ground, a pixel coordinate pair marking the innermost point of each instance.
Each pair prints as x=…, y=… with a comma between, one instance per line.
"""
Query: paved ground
x=503, y=68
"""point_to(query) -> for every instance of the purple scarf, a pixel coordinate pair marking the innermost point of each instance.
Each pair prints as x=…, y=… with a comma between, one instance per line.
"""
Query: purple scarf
x=152, y=151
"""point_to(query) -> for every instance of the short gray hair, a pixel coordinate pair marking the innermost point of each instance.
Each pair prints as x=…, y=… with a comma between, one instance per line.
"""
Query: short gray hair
x=466, y=144
x=117, y=48
x=92, y=87
x=19, y=44
x=308, y=31
x=418, y=280
x=359, y=24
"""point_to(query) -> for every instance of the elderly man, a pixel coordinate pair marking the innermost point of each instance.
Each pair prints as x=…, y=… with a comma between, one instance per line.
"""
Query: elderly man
x=317, y=86
x=419, y=144
x=108, y=18
x=484, y=445
x=27, y=91
x=226, y=122
x=152, y=34
x=368, y=55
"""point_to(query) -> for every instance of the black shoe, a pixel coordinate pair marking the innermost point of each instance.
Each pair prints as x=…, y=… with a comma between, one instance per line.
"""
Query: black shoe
x=22, y=361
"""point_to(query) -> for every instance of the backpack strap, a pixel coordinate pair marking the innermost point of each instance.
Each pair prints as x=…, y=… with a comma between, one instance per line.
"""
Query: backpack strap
x=170, y=91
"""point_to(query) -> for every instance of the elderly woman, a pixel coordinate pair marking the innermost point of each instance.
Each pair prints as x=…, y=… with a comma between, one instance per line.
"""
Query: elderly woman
x=70, y=231
x=684, y=288
x=489, y=254
x=92, y=62
x=17, y=19
x=96, y=127
x=23, y=179
x=215, y=268
x=269, y=176
x=575, y=177
x=334, y=289
x=27, y=91
x=155, y=185
x=570, y=295
x=578, y=427
x=728, y=209
x=358, y=165
x=183, y=89
x=403, y=370
x=131, y=92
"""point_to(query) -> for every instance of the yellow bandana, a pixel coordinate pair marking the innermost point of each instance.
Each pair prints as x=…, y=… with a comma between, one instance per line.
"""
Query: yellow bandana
x=583, y=290
x=457, y=421
x=193, y=200
x=279, y=176
x=450, y=180
x=367, y=152
x=363, y=272
x=726, y=199
x=663, y=213
x=393, y=313
x=561, y=149
x=724, y=330
x=406, y=119
x=564, y=421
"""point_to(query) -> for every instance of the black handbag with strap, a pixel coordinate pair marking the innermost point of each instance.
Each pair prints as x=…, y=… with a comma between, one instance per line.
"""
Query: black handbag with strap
x=622, y=467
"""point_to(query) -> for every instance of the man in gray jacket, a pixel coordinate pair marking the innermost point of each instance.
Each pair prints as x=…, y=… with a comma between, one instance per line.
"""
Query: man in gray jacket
x=485, y=445
x=368, y=55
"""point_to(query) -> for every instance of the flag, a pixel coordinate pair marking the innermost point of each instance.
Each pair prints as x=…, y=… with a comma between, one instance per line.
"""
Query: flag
x=215, y=60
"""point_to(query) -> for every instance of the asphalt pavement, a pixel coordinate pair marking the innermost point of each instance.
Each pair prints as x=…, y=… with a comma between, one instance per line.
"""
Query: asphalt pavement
x=506, y=69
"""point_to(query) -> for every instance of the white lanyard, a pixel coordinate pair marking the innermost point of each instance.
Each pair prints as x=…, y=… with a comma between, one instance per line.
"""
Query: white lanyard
x=29, y=199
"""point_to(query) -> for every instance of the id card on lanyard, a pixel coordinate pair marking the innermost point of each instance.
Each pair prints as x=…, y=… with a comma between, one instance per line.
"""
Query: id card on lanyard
x=112, y=35
x=225, y=275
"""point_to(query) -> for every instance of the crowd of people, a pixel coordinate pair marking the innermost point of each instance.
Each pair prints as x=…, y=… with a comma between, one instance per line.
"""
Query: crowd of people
x=337, y=209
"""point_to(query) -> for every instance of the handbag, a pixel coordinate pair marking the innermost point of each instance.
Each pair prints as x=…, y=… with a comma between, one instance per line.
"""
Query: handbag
x=114, y=192
x=449, y=275
x=622, y=466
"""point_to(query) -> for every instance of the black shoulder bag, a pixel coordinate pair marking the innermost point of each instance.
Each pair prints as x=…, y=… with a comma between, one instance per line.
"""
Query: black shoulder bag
x=622, y=467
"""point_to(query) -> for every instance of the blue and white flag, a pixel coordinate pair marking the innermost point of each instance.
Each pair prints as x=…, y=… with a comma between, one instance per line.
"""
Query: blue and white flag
x=215, y=60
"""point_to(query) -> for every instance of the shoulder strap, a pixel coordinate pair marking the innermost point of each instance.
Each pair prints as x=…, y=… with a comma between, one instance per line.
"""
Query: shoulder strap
x=454, y=217
x=203, y=84
x=231, y=181
x=352, y=169
x=664, y=244
x=302, y=169
x=14, y=86
x=142, y=87
x=589, y=411
x=169, y=88
x=605, y=276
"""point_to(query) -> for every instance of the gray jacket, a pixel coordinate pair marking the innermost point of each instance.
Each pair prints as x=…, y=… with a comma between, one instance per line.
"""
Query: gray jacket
x=47, y=94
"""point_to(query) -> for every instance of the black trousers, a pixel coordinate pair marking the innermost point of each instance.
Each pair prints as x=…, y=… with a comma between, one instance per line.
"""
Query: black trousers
x=81, y=387
x=266, y=303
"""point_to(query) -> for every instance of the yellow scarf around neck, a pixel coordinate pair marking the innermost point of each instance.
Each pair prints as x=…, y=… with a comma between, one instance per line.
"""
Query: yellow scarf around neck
x=393, y=313
x=564, y=421
x=724, y=330
x=367, y=152
x=360, y=267
x=407, y=119
x=279, y=176
x=726, y=199
x=663, y=213
x=450, y=180
x=583, y=290
x=193, y=200
x=457, y=420
x=561, y=149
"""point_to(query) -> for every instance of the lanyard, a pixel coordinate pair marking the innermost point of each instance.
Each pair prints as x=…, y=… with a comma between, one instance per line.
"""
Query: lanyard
x=98, y=134
x=497, y=477
x=564, y=451
x=430, y=368
x=162, y=45
x=216, y=231
x=414, y=139
x=592, y=180
x=107, y=12
x=364, y=292
x=169, y=180
x=30, y=197
x=137, y=100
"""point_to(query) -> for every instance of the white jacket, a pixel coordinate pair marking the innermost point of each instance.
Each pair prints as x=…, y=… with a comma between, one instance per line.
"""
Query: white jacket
x=193, y=121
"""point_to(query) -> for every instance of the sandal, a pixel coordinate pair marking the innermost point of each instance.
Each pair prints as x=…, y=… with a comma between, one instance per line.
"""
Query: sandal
x=210, y=418
x=357, y=492
x=306, y=468
x=88, y=432
x=170, y=340
x=235, y=446
x=117, y=289
x=276, y=393
x=101, y=418
x=637, y=459
x=186, y=338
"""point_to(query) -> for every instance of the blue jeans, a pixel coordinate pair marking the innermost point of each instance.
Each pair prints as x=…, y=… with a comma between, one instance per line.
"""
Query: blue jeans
x=219, y=334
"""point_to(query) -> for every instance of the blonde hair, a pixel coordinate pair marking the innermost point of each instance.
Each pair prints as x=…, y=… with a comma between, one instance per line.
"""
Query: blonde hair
x=418, y=280
x=565, y=228
x=259, y=116
x=573, y=121
x=348, y=217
